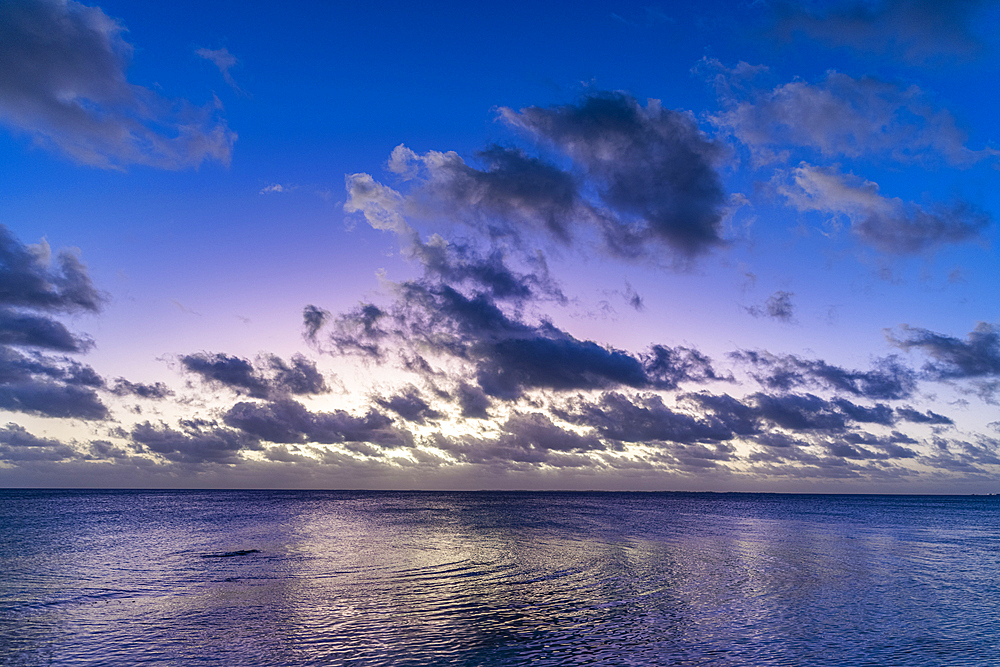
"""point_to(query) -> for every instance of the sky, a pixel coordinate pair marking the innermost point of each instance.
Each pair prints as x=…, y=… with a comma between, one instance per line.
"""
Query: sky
x=719, y=246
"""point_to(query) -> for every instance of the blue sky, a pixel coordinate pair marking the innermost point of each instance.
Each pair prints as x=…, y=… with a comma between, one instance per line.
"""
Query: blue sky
x=735, y=246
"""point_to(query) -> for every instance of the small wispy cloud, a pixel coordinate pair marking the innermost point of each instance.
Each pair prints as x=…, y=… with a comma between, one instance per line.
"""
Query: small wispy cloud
x=225, y=61
x=274, y=188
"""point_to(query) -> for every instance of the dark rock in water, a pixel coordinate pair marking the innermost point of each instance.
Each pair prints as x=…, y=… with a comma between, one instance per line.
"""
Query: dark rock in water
x=230, y=554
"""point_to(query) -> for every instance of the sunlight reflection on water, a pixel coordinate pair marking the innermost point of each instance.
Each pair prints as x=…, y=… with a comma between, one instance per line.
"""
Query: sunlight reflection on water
x=310, y=578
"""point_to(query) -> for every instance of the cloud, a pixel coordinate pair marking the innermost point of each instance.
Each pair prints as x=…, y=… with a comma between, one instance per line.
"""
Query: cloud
x=410, y=405
x=913, y=31
x=225, y=61
x=64, y=84
x=524, y=439
x=381, y=205
x=644, y=419
x=25, y=330
x=287, y=421
x=976, y=358
x=839, y=117
x=512, y=192
x=794, y=412
x=909, y=414
x=633, y=298
x=157, y=391
x=461, y=264
x=778, y=306
x=198, y=442
x=473, y=401
x=15, y=435
x=313, y=318
x=867, y=446
x=508, y=356
x=797, y=412
x=888, y=379
x=667, y=367
x=51, y=399
x=889, y=225
x=271, y=376
x=652, y=166
x=31, y=291
x=17, y=445
x=643, y=178
x=28, y=279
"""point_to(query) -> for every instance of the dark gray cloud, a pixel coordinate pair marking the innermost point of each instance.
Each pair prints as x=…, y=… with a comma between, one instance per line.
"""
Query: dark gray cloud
x=909, y=414
x=964, y=457
x=739, y=417
x=198, y=442
x=778, y=306
x=28, y=279
x=226, y=370
x=798, y=412
x=25, y=368
x=867, y=446
x=300, y=376
x=15, y=435
x=509, y=356
x=512, y=191
x=666, y=367
x=64, y=84
x=271, y=376
x=642, y=419
x=32, y=290
x=156, y=391
x=890, y=225
x=473, y=401
x=17, y=445
x=978, y=356
x=26, y=330
x=889, y=378
x=914, y=31
x=287, y=421
x=313, y=318
x=360, y=331
x=410, y=405
x=51, y=399
x=461, y=265
x=794, y=412
x=879, y=413
x=525, y=439
x=651, y=165
x=507, y=367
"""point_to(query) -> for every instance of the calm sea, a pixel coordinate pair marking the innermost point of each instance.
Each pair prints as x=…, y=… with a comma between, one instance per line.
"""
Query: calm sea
x=377, y=578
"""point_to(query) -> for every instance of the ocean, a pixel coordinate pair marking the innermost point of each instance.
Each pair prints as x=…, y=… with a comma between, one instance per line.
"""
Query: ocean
x=242, y=578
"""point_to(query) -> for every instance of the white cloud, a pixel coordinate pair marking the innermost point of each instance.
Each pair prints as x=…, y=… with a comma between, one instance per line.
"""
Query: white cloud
x=63, y=83
x=839, y=117
x=888, y=224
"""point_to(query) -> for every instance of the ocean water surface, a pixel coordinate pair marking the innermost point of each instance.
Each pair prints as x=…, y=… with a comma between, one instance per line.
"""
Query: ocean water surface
x=420, y=578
